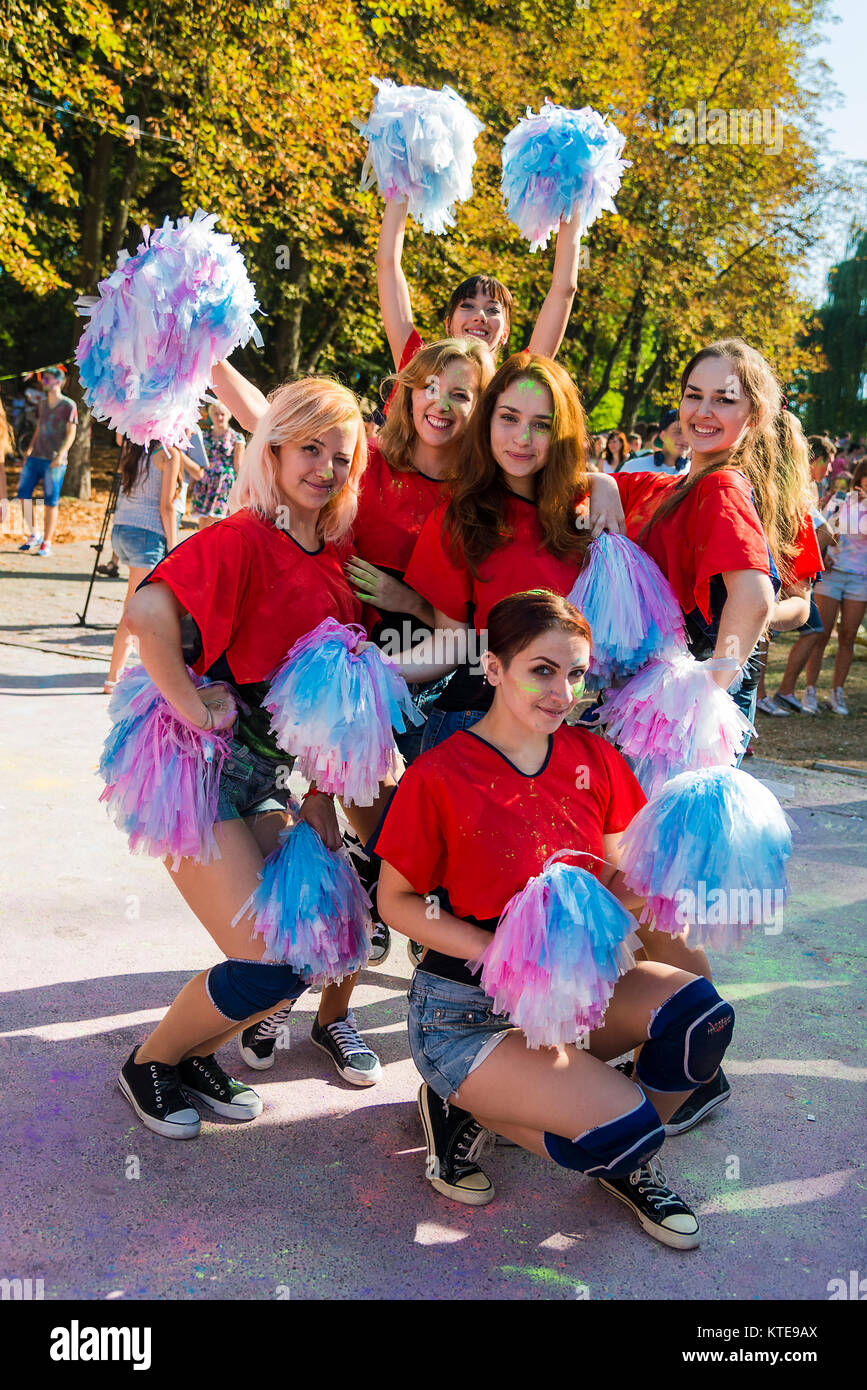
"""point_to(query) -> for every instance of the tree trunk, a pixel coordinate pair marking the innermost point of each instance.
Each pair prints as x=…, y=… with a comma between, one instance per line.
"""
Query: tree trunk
x=640, y=388
x=77, y=480
x=124, y=197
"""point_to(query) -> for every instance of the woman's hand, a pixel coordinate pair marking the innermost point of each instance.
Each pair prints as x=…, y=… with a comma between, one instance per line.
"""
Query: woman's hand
x=372, y=585
x=606, y=509
x=320, y=813
x=220, y=703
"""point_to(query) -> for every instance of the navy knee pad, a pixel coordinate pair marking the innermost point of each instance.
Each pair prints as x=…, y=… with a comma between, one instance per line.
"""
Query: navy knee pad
x=614, y=1149
x=241, y=988
x=688, y=1038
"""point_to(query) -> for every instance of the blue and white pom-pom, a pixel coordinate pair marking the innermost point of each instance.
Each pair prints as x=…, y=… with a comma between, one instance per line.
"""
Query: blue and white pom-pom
x=162, y=320
x=560, y=164
x=333, y=708
x=558, y=951
x=632, y=610
x=709, y=853
x=311, y=909
x=672, y=717
x=421, y=147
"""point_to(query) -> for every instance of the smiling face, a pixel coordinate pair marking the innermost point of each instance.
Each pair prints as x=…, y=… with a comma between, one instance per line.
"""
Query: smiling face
x=542, y=682
x=441, y=410
x=521, y=427
x=311, y=471
x=714, y=409
x=482, y=317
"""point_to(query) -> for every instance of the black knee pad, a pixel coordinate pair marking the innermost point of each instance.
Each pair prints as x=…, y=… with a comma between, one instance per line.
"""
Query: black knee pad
x=614, y=1149
x=688, y=1038
x=241, y=988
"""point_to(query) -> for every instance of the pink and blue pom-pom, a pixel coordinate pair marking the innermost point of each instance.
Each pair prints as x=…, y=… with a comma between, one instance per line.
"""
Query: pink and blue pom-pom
x=632, y=610
x=560, y=164
x=558, y=951
x=311, y=909
x=709, y=854
x=421, y=148
x=162, y=319
x=161, y=774
x=333, y=708
x=670, y=718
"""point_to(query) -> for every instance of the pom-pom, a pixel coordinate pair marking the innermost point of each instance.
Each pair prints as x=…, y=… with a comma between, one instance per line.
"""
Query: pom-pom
x=709, y=853
x=162, y=319
x=558, y=951
x=334, y=708
x=161, y=773
x=311, y=909
x=672, y=717
x=420, y=147
x=632, y=610
x=560, y=164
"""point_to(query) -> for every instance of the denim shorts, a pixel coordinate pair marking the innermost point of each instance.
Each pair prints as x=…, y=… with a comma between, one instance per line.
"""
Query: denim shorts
x=840, y=584
x=248, y=784
x=452, y=1029
x=38, y=470
x=442, y=723
x=137, y=547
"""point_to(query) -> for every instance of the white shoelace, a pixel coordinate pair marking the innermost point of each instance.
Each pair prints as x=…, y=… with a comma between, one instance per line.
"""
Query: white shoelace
x=270, y=1026
x=346, y=1036
x=650, y=1180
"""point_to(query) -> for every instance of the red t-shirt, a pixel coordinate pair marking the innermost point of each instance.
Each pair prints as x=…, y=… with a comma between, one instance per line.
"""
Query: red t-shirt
x=392, y=508
x=413, y=344
x=520, y=563
x=807, y=563
x=253, y=591
x=715, y=530
x=465, y=819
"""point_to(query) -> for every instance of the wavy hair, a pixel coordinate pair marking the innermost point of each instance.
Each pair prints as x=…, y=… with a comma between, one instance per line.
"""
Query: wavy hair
x=773, y=453
x=399, y=434
x=296, y=413
x=475, y=517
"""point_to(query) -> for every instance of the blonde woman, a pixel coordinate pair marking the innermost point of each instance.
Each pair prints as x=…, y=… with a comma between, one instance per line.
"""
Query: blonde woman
x=230, y=602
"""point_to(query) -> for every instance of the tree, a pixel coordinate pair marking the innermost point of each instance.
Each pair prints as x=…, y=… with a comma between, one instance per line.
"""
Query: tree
x=837, y=394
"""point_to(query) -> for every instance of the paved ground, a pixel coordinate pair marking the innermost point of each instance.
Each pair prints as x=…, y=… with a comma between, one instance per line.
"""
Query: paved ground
x=323, y=1196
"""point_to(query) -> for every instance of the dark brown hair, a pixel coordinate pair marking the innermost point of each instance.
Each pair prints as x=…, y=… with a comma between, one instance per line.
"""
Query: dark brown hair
x=475, y=518
x=129, y=464
x=481, y=284
x=624, y=447
x=518, y=620
x=821, y=447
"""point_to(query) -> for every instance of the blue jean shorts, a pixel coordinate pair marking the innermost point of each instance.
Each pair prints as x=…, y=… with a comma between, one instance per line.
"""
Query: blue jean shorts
x=38, y=470
x=452, y=1029
x=842, y=584
x=249, y=784
x=137, y=547
x=442, y=723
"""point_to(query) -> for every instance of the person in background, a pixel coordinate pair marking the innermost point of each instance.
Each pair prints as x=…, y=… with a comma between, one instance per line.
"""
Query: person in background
x=672, y=456
x=224, y=453
x=7, y=447
x=46, y=457
x=635, y=443
x=596, y=453
x=616, y=451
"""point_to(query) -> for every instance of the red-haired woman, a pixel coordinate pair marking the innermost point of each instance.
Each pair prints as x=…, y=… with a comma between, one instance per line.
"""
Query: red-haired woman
x=470, y=823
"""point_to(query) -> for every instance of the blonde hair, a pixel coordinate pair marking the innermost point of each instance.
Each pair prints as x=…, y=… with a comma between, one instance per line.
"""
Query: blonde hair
x=298, y=412
x=398, y=434
x=773, y=452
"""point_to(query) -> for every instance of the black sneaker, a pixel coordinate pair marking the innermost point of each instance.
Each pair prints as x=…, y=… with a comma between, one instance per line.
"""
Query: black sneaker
x=256, y=1044
x=380, y=944
x=204, y=1079
x=414, y=950
x=663, y=1214
x=696, y=1106
x=626, y=1067
x=153, y=1090
x=353, y=1059
x=454, y=1141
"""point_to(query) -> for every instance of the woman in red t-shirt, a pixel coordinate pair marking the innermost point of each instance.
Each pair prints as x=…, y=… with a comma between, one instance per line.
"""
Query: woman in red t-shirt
x=480, y=306
x=519, y=515
x=230, y=601
x=470, y=823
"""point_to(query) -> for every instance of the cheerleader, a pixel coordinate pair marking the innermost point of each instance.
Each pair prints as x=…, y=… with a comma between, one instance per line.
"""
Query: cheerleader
x=520, y=513
x=736, y=542
x=470, y=823
x=481, y=306
x=230, y=601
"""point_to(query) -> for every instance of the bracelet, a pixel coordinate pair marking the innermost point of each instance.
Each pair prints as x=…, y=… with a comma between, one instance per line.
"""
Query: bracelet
x=311, y=791
x=210, y=724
